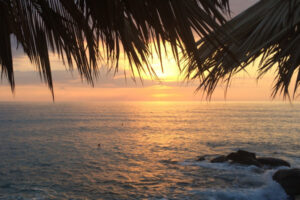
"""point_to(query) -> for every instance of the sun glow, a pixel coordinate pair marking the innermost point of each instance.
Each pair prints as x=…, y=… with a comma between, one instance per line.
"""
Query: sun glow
x=167, y=86
x=165, y=70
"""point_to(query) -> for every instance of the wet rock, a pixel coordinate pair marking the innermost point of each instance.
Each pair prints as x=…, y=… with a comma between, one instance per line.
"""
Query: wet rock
x=289, y=179
x=219, y=159
x=241, y=154
x=273, y=162
x=247, y=158
x=244, y=158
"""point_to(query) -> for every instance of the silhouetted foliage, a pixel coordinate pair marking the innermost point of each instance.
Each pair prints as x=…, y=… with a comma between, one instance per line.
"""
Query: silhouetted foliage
x=269, y=31
x=77, y=29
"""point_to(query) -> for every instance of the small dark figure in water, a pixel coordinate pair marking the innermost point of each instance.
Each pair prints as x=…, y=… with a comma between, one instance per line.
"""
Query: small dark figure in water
x=99, y=146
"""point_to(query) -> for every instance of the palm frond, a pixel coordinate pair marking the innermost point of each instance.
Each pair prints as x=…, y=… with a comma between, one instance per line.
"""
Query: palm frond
x=270, y=29
x=75, y=30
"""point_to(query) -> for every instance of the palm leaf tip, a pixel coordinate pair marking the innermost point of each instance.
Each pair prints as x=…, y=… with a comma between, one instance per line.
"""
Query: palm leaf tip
x=5, y=47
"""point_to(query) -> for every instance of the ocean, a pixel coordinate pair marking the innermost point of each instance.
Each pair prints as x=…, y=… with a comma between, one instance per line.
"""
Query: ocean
x=148, y=150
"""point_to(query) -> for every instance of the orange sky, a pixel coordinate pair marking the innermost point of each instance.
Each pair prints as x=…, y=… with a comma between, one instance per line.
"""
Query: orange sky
x=69, y=86
x=170, y=87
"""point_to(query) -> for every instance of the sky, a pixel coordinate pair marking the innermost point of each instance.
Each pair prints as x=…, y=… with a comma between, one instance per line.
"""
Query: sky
x=68, y=85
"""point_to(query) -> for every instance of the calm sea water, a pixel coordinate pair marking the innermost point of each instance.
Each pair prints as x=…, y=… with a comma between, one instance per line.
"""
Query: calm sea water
x=148, y=150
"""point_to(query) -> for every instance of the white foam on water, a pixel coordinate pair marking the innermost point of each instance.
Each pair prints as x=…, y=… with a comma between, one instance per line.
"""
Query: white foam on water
x=222, y=166
x=271, y=190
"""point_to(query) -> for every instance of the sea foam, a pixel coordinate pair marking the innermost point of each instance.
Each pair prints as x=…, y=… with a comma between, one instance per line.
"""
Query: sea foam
x=268, y=189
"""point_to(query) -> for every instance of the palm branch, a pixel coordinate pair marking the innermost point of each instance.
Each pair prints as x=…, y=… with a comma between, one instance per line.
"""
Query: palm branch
x=269, y=30
x=77, y=29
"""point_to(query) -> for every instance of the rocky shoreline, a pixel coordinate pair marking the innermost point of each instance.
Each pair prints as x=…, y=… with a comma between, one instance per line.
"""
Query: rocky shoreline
x=289, y=179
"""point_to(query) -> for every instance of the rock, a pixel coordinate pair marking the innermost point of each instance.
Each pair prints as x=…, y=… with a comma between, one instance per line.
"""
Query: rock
x=219, y=159
x=248, y=162
x=273, y=162
x=289, y=179
x=247, y=158
x=241, y=154
x=244, y=158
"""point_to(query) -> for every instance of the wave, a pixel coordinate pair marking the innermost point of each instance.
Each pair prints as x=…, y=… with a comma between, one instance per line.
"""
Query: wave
x=270, y=191
x=267, y=190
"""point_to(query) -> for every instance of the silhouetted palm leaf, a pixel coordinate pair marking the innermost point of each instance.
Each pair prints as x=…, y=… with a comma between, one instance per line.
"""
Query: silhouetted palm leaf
x=270, y=29
x=75, y=29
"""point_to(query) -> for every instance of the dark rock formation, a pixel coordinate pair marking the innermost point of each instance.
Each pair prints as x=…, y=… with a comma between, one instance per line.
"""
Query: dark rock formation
x=244, y=158
x=219, y=159
x=248, y=158
x=273, y=162
x=289, y=179
x=240, y=154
